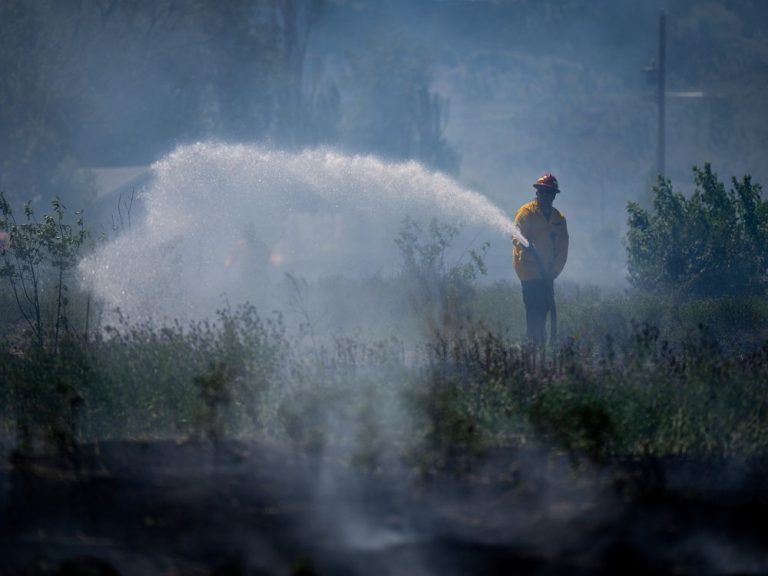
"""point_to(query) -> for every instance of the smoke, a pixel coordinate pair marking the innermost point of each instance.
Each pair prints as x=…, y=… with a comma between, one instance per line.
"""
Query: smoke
x=498, y=92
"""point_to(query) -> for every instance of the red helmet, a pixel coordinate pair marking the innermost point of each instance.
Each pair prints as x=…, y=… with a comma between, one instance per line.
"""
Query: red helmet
x=547, y=181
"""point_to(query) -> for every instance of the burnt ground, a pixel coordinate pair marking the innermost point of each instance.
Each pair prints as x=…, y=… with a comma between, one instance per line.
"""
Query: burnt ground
x=142, y=508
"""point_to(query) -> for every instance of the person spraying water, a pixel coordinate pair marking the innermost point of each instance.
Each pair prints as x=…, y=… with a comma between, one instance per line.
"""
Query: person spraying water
x=539, y=257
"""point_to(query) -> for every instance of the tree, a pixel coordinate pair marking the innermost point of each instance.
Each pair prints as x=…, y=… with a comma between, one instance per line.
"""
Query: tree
x=390, y=109
x=33, y=154
x=109, y=82
x=711, y=244
x=295, y=20
x=35, y=260
x=439, y=291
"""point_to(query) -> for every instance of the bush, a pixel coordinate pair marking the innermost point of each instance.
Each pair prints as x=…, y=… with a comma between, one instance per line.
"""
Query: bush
x=439, y=291
x=709, y=245
x=35, y=262
x=203, y=379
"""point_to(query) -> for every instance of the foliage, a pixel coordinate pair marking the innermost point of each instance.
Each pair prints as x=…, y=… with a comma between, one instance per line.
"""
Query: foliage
x=709, y=245
x=79, y=90
x=619, y=386
x=443, y=405
x=37, y=258
x=345, y=400
x=214, y=390
x=642, y=395
x=44, y=391
x=34, y=152
x=440, y=290
x=465, y=404
x=392, y=111
x=204, y=379
x=138, y=380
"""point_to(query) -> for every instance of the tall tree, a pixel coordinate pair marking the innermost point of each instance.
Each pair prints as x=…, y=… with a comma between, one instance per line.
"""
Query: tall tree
x=30, y=143
x=295, y=20
x=390, y=108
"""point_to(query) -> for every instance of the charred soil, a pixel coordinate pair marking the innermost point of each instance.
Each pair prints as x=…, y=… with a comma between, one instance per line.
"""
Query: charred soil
x=189, y=508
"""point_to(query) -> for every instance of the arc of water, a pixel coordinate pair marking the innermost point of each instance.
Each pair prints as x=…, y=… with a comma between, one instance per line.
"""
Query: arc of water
x=204, y=195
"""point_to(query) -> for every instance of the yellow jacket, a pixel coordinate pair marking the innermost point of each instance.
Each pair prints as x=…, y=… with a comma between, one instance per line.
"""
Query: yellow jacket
x=549, y=237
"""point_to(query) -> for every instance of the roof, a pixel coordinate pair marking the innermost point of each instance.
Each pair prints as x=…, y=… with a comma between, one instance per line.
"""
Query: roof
x=112, y=180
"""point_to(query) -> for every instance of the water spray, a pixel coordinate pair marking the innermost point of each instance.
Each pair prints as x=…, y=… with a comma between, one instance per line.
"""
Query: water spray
x=315, y=212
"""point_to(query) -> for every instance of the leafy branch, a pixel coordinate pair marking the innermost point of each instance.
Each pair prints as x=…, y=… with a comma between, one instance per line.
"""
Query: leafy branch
x=37, y=252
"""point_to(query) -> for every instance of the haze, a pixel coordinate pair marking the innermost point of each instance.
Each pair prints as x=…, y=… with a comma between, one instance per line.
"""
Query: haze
x=492, y=93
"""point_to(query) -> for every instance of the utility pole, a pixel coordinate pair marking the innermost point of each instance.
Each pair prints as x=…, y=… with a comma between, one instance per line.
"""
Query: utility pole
x=661, y=94
x=656, y=73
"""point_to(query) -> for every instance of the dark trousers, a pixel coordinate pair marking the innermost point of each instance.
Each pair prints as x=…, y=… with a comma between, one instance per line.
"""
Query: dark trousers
x=539, y=300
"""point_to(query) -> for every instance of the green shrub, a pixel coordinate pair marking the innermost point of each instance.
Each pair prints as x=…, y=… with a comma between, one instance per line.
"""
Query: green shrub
x=440, y=291
x=205, y=379
x=35, y=262
x=638, y=372
x=709, y=245
x=44, y=390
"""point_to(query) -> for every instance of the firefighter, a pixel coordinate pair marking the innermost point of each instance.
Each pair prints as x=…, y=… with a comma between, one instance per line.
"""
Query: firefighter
x=538, y=264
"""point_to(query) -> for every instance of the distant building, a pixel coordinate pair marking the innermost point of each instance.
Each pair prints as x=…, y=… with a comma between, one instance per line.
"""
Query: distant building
x=112, y=181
